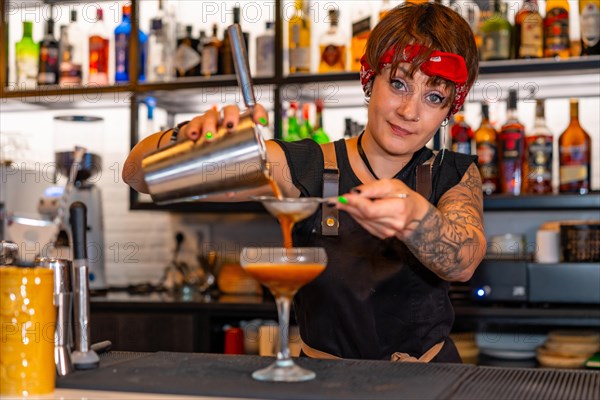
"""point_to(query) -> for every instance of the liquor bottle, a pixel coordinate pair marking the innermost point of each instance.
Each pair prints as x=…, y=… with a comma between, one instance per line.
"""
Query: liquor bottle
x=27, y=54
x=538, y=166
x=226, y=65
x=589, y=15
x=574, y=149
x=485, y=143
x=306, y=128
x=161, y=47
x=386, y=5
x=496, y=36
x=293, y=129
x=71, y=53
x=461, y=134
x=187, y=60
x=348, y=133
x=210, y=54
x=361, y=29
x=99, y=47
x=471, y=12
x=529, y=31
x=332, y=46
x=265, y=51
x=511, y=152
x=122, y=33
x=556, y=29
x=48, y=64
x=319, y=135
x=299, y=38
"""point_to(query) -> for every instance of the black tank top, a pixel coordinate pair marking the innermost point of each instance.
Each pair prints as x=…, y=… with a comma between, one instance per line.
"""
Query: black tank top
x=374, y=298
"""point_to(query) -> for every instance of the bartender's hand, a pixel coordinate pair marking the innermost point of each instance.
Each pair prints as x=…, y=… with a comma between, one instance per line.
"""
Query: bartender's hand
x=375, y=208
x=205, y=126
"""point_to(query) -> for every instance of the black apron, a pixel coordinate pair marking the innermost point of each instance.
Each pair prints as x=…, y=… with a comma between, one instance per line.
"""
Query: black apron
x=374, y=298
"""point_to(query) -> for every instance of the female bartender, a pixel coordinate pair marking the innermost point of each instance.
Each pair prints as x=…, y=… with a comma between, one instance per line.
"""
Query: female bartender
x=410, y=220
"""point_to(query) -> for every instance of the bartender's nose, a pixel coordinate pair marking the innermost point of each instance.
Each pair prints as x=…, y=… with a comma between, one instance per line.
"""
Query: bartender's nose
x=409, y=107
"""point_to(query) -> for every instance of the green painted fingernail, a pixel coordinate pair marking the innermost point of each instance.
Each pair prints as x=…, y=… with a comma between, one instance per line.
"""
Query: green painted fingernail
x=263, y=120
x=209, y=135
x=343, y=200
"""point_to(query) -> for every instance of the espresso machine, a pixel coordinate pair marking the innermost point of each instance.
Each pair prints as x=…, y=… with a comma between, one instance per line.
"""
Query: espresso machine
x=73, y=130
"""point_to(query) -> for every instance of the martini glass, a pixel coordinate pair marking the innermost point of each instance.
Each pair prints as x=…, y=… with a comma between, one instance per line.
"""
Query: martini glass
x=283, y=271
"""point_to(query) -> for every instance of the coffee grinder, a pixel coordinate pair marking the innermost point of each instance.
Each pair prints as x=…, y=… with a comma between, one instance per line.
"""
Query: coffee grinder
x=88, y=131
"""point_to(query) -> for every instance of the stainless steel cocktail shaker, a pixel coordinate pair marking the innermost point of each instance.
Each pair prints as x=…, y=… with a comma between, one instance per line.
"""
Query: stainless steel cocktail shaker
x=231, y=162
x=63, y=300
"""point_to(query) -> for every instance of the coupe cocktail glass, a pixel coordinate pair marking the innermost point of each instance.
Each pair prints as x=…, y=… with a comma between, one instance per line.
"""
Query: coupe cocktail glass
x=283, y=271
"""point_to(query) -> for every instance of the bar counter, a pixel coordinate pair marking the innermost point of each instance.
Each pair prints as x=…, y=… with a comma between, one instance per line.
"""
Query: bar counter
x=227, y=376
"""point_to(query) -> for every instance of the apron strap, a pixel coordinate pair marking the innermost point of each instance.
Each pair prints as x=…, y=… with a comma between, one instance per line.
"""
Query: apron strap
x=396, y=357
x=425, y=358
x=331, y=188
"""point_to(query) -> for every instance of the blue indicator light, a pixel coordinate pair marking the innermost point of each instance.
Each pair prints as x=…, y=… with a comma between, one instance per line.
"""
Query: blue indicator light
x=54, y=191
x=480, y=292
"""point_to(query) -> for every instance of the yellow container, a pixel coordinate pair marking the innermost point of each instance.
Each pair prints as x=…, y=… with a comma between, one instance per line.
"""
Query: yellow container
x=28, y=321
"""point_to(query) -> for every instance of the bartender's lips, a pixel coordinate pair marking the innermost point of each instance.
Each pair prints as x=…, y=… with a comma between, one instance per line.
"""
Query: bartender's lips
x=397, y=130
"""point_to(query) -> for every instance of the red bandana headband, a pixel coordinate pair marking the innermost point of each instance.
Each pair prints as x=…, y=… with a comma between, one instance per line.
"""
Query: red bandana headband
x=448, y=66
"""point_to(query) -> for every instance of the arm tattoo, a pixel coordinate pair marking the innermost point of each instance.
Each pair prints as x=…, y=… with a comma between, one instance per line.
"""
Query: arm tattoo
x=446, y=239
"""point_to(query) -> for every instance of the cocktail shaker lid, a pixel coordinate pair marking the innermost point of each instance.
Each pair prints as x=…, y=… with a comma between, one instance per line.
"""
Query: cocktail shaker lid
x=62, y=272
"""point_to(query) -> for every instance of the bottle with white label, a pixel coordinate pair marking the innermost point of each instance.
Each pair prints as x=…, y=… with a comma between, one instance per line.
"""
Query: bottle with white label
x=589, y=14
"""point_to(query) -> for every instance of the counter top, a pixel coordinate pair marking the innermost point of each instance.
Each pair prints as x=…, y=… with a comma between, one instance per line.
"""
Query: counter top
x=226, y=376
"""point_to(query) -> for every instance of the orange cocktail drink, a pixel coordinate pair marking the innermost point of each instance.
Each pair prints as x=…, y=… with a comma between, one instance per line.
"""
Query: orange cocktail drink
x=284, y=271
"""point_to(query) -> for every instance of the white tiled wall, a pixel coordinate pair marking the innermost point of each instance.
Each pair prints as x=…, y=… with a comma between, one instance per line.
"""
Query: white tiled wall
x=137, y=244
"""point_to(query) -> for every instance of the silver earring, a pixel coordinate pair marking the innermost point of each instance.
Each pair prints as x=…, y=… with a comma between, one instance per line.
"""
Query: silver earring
x=445, y=121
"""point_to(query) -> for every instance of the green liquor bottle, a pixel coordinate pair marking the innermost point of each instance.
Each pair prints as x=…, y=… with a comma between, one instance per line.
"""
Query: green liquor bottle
x=27, y=57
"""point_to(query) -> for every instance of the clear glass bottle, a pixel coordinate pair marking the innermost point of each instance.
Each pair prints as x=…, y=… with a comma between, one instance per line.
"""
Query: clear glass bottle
x=556, y=29
x=99, y=51
x=332, y=46
x=575, y=154
x=265, y=51
x=361, y=29
x=589, y=17
x=496, y=35
x=529, y=31
x=27, y=54
x=511, y=149
x=487, y=152
x=299, y=38
x=538, y=166
x=49, y=62
x=161, y=47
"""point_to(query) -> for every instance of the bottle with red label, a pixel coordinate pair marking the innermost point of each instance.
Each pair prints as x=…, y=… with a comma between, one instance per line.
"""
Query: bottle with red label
x=461, y=133
x=511, y=150
x=556, y=29
x=574, y=149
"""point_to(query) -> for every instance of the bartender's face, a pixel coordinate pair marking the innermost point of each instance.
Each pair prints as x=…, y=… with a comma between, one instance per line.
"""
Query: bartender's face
x=404, y=113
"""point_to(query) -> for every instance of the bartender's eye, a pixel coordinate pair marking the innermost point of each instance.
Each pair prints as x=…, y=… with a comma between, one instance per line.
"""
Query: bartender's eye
x=435, y=98
x=398, y=84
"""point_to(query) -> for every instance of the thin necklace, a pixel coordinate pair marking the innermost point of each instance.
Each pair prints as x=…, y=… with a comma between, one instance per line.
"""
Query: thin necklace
x=363, y=156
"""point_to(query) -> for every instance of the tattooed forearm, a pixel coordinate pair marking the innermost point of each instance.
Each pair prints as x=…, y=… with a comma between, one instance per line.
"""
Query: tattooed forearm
x=449, y=240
